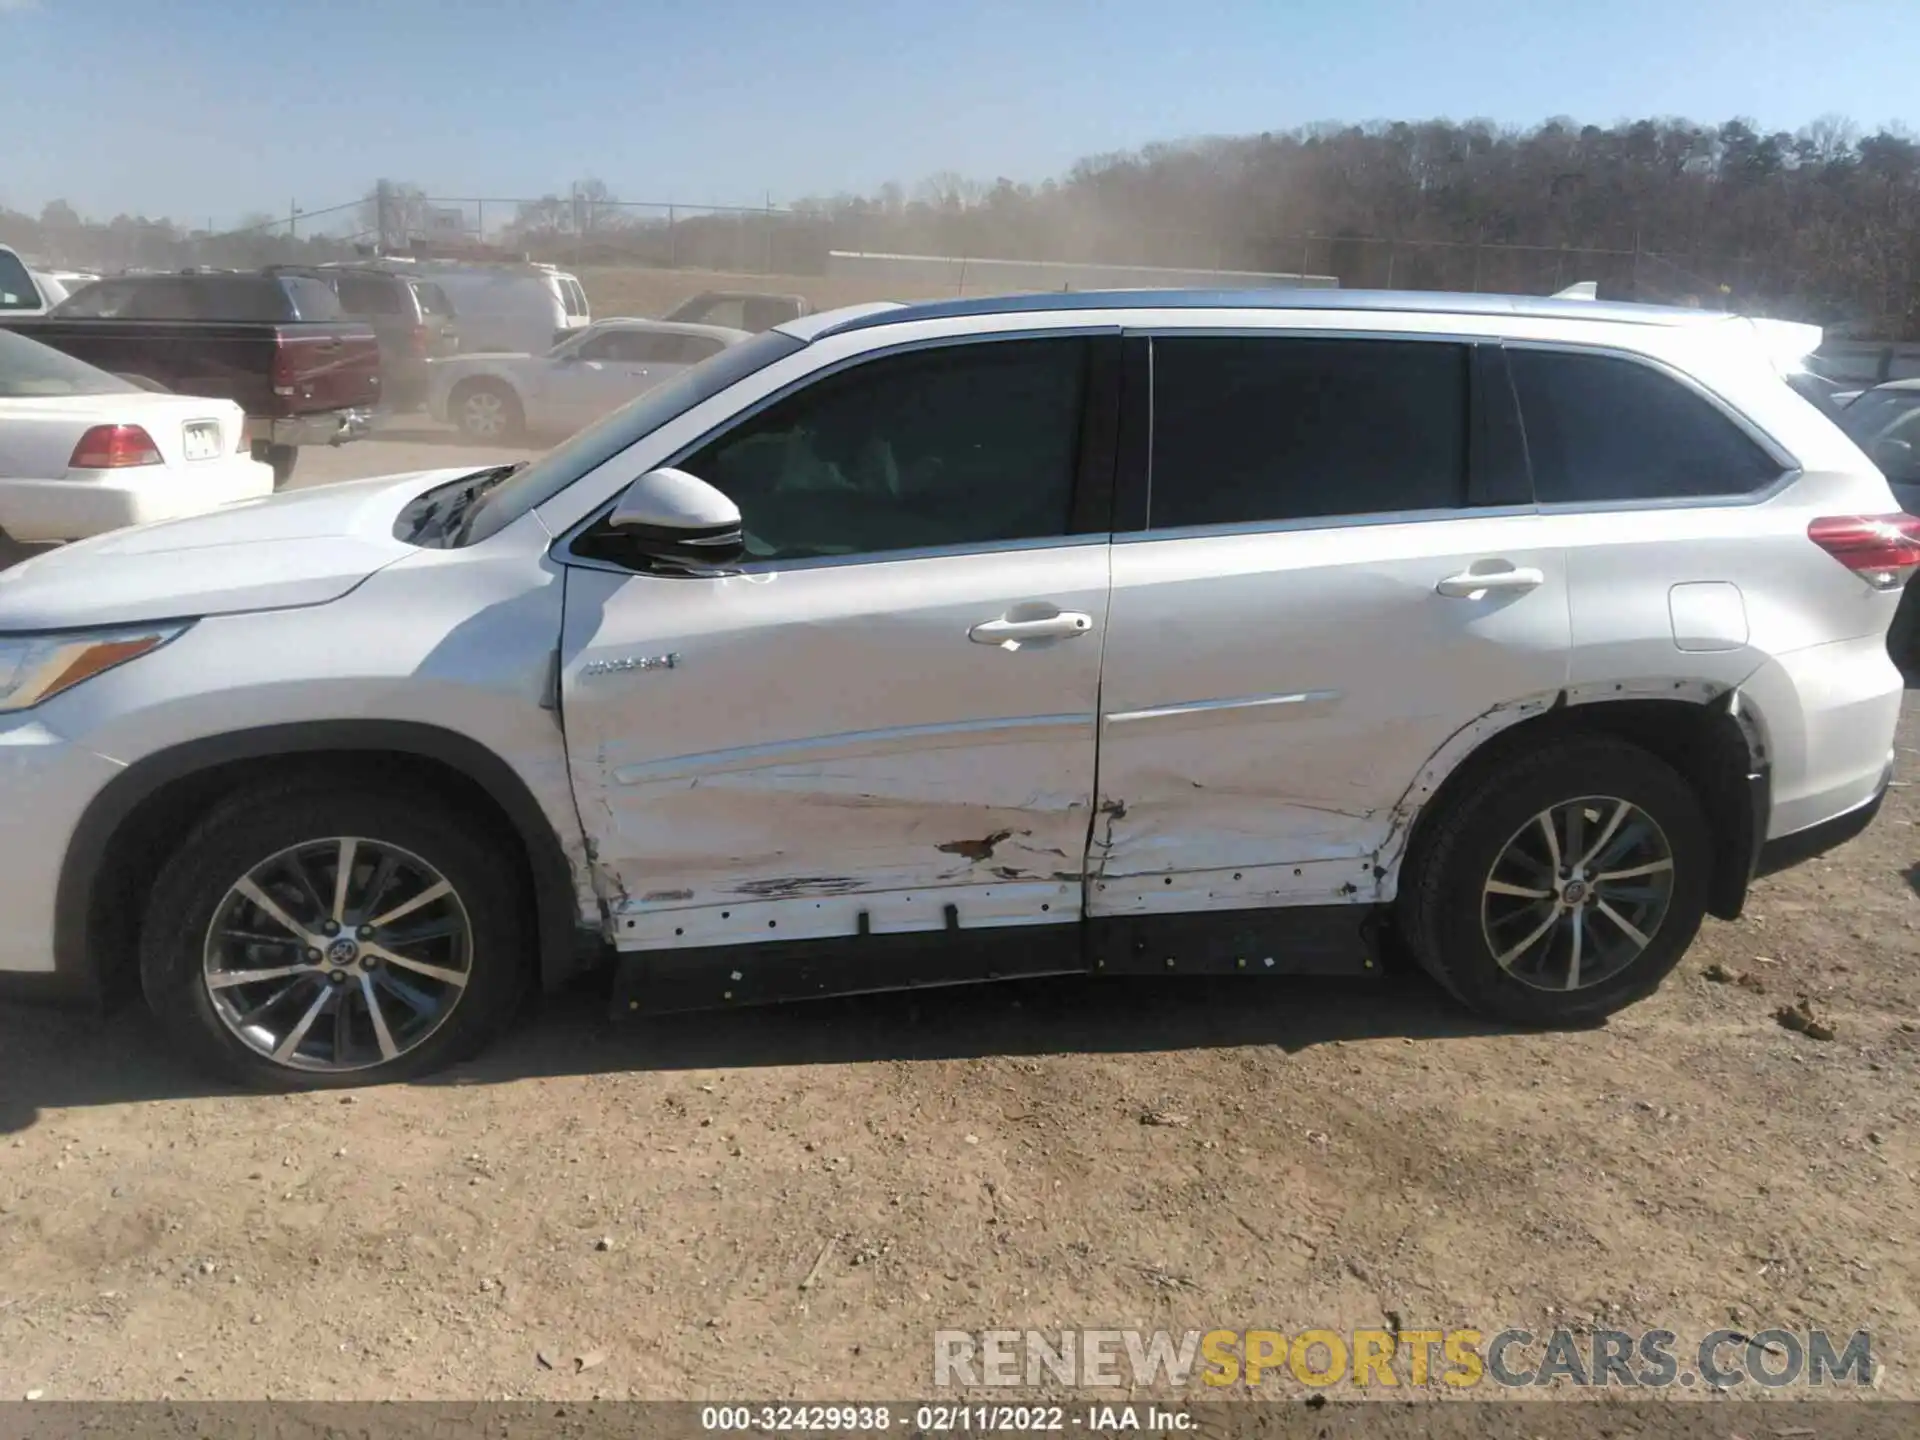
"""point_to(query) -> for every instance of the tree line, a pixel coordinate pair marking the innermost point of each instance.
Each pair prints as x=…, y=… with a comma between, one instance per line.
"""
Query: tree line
x=1817, y=224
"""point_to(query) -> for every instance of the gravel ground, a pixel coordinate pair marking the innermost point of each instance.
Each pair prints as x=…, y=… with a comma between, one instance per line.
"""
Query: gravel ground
x=654, y=1196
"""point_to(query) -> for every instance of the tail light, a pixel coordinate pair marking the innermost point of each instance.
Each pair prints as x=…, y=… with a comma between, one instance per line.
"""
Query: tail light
x=113, y=447
x=1883, y=550
x=418, y=340
x=283, y=371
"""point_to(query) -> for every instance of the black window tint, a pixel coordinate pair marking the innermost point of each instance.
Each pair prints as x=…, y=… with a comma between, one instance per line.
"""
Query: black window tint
x=959, y=445
x=310, y=299
x=433, y=301
x=100, y=300
x=1250, y=428
x=1600, y=427
x=369, y=294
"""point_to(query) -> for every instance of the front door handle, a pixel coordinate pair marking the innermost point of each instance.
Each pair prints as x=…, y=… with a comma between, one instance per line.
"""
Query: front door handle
x=1472, y=585
x=1012, y=634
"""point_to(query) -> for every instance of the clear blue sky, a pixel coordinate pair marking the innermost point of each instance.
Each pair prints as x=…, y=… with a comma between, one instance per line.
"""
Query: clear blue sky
x=211, y=108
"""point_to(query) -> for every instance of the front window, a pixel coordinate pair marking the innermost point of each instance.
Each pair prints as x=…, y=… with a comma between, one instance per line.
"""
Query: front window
x=30, y=370
x=958, y=445
x=607, y=437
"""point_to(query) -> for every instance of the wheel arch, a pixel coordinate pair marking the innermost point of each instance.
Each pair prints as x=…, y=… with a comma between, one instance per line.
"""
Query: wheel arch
x=1701, y=729
x=121, y=839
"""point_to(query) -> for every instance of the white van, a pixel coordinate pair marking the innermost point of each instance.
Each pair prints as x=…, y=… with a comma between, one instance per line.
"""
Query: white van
x=514, y=308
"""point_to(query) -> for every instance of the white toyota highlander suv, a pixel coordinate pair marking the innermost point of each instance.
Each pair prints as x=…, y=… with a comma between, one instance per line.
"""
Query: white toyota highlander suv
x=1185, y=632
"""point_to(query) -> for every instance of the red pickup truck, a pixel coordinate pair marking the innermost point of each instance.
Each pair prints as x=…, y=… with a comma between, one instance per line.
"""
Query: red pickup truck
x=278, y=345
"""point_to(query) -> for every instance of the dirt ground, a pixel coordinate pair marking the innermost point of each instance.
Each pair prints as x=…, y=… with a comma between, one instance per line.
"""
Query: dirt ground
x=789, y=1202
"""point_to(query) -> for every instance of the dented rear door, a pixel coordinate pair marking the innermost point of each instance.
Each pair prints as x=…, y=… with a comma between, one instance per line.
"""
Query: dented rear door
x=1338, y=570
x=881, y=741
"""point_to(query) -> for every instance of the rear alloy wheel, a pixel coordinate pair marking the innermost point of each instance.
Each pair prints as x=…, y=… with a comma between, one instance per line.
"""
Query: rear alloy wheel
x=488, y=413
x=305, y=938
x=1561, y=888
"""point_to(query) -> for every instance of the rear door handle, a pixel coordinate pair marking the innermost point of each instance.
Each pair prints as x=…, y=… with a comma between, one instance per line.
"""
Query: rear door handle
x=1012, y=634
x=1472, y=585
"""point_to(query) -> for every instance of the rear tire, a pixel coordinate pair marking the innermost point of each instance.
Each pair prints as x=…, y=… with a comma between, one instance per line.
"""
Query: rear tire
x=487, y=412
x=280, y=457
x=459, y=971
x=1477, y=885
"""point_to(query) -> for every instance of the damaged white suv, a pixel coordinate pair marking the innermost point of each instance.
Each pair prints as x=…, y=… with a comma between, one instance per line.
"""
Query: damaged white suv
x=1188, y=632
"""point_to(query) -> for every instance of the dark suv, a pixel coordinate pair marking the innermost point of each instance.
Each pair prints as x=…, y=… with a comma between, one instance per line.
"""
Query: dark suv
x=413, y=320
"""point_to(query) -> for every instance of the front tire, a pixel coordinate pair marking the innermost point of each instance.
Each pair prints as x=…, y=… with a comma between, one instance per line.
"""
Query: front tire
x=1561, y=888
x=488, y=412
x=306, y=937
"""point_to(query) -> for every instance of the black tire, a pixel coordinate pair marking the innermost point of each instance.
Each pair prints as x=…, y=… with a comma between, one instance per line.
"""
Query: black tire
x=1903, y=638
x=1439, y=912
x=281, y=458
x=512, y=415
x=245, y=831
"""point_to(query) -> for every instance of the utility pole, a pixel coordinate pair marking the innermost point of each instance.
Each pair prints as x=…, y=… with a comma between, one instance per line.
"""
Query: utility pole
x=293, y=219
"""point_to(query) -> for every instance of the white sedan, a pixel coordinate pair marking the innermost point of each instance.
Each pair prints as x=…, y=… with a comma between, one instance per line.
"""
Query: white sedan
x=83, y=452
x=502, y=397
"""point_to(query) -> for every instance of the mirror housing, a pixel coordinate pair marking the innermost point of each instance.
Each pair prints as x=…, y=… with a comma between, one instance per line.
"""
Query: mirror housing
x=679, y=521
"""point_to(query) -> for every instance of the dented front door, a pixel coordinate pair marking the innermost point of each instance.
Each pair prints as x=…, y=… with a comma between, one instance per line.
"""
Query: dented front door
x=881, y=746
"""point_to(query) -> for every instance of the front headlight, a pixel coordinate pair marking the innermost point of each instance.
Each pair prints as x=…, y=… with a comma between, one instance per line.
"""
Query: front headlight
x=38, y=667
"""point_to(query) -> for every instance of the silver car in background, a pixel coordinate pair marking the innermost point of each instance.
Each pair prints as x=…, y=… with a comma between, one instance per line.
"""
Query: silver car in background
x=502, y=397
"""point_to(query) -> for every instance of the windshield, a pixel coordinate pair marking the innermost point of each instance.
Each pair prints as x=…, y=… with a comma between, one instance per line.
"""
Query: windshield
x=30, y=369
x=599, y=443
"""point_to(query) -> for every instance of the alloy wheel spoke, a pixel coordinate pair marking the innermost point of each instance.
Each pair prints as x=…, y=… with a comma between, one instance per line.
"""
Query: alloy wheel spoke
x=1652, y=867
x=1579, y=935
x=1553, y=840
x=343, y=878
x=1527, y=944
x=456, y=978
x=1576, y=831
x=227, y=979
x=271, y=906
x=382, y=1036
x=1620, y=812
x=284, y=1051
x=1502, y=887
x=1626, y=925
x=425, y=897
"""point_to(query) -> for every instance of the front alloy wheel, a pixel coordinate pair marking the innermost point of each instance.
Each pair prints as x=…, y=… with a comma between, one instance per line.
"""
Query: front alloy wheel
x=328, y=932
x=338, y=954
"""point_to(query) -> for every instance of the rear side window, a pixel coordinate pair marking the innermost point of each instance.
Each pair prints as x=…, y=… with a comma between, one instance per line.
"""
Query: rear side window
x=311, y=299
x=433, y=300
x=369, y=294
x=1252, y=428
x=572, y=298
x=1600, y=428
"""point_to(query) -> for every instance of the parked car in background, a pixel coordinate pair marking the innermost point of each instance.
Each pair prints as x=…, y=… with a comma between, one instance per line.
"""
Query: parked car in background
x=412, y=319
x=503, y=397
x=1517, y=634
x=1885, y=422
x=277, y=345
x=740, y=309
x=83, y=452
x=21, y=291
x=503, y=306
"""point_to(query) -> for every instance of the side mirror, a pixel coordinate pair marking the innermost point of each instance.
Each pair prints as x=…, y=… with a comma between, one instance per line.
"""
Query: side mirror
x=679, y=520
